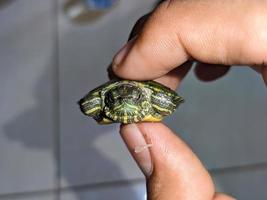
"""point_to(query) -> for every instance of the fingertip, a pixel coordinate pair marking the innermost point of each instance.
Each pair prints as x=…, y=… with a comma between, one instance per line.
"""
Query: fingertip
x=119, y=58
x=175, y=165
x=138, y=147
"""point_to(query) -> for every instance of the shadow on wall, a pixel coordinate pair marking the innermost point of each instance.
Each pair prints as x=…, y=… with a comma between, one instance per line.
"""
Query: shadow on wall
x=29, y=128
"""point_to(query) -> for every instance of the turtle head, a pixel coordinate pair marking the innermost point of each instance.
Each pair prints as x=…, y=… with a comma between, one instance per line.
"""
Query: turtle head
x=91, y=104
x=124, y=103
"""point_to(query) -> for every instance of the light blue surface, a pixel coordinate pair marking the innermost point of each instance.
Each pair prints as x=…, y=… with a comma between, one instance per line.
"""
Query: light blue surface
x=118, y=191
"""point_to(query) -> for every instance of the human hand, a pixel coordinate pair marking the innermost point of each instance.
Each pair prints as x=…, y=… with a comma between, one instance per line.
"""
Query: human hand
x=216, y=33
x=172, y=170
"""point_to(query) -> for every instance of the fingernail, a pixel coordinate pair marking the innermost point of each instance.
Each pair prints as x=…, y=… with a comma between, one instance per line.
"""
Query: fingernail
x=138, y=147
x=121, y=55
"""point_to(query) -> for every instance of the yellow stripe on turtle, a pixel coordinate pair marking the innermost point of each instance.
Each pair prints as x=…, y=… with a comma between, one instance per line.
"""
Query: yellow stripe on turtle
x=162, y=109
x=92, y=110
x=125, y=119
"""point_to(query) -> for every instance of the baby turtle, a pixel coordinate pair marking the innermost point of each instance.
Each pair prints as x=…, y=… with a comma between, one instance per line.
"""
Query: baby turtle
x=127, y=102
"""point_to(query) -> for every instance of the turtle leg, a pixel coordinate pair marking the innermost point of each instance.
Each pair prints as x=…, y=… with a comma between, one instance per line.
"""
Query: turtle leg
x=155, y=117
x=103, y=120
x=90, y=105
x=162, y=103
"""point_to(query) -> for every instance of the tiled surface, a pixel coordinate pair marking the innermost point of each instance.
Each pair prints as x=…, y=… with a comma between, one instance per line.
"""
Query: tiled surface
x=134, y=191
x=91, y=153
x=224, y=122
x=27, y=119
x=244, y=183
x=31, y=196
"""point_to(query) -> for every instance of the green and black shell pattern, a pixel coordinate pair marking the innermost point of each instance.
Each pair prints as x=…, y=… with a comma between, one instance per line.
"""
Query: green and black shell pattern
x=126, y=101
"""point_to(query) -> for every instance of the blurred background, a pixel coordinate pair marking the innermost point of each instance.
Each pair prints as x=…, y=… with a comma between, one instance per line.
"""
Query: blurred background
x=52, y=53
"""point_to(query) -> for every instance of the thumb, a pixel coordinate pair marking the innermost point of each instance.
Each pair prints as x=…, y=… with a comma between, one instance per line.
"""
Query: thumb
x=172, y=169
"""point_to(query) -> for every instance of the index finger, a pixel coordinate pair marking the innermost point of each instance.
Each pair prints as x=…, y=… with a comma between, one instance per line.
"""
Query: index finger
x=213, y=32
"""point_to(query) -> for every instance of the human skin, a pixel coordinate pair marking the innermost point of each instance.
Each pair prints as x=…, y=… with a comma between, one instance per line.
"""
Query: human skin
x=217, y=34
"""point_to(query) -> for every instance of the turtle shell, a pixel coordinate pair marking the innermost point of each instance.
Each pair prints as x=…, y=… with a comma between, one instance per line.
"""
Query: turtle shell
x=125, y=101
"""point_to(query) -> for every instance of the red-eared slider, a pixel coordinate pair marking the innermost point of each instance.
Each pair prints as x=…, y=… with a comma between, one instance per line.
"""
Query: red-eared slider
x=127, y=101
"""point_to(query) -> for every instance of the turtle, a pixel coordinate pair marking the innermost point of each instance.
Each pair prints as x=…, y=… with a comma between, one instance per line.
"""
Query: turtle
x=127, y=101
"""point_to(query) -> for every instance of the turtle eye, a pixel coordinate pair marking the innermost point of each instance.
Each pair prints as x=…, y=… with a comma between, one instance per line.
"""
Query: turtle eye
x=136, y=96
